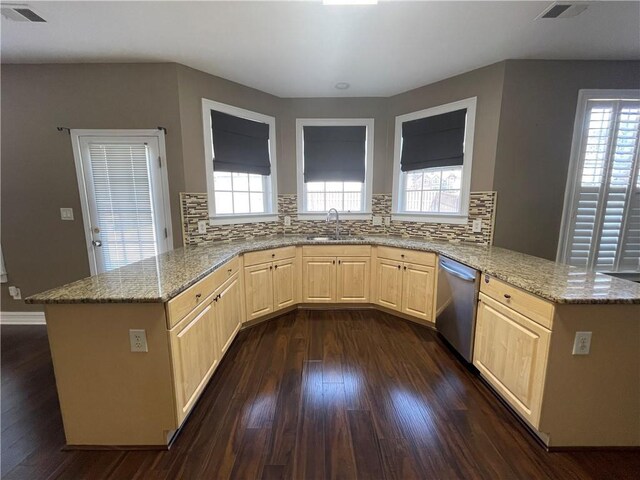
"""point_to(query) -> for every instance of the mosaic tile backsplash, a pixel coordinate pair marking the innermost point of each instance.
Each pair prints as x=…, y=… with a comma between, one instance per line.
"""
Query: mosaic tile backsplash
x=482, y=205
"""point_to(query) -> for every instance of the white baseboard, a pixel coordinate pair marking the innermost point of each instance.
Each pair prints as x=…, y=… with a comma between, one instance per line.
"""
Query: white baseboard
x=22, y=318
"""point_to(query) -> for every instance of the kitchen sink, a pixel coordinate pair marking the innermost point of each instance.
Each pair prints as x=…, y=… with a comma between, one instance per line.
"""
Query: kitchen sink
x=329, y=238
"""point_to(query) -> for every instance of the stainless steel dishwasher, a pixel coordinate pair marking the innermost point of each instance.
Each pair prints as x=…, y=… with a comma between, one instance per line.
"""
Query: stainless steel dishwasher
x=457, y=300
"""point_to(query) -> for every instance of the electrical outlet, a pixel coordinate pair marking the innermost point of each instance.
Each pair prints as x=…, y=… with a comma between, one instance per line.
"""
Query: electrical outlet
x=15, y=293
x=387, y=221
x=476, y=226
x=138, y=340
x=582, y=343
x=287, y=221
x=202, y=226
x=66, y=213
x=377, y=220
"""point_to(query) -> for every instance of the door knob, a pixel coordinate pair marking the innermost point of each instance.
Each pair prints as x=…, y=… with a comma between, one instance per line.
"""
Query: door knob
x=96, y=243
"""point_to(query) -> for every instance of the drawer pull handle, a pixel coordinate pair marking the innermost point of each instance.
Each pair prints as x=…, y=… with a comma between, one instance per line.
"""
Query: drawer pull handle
x=402, y=255
x=507, y=296
x=273, y=255
x=198, y=295
x=230, y=270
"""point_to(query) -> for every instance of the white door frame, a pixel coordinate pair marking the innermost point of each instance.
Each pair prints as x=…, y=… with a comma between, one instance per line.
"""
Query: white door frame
x=76, y=135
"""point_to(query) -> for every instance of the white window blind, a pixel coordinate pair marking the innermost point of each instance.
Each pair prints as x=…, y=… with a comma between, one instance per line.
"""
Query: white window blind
x=123, y=202
x=603, y=233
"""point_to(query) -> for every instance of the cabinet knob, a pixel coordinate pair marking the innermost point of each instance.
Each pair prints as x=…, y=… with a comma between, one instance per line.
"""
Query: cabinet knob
x=273, y=255
x=271, y=267
x=198, y=295
x=230, y=270
x=405, y=267
x=275, y=266
x=402, y=255
x=507, y=296
x=399, y=267
x=334, y=262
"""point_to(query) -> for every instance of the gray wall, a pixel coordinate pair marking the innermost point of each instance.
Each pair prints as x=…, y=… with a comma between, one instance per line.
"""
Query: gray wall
x=38, y=173
x=534, y=145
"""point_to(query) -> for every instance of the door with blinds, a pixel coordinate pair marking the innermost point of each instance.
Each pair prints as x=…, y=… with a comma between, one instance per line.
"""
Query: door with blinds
x=602, y=215
x=125, y=191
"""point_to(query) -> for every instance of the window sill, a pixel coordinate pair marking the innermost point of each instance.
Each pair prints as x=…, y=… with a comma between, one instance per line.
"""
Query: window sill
x=429, y=218
x=251, y=218
x=343, y=216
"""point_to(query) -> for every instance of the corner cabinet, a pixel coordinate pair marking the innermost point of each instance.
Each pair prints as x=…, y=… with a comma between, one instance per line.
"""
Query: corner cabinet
x=405, y=282
x=270, y=278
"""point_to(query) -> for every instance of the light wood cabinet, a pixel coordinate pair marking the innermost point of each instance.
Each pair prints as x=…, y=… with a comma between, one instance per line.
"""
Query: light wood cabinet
x=228, y=311
x=353, y=279
x=195, y=352
x=511, y=353
x=258, y=283
x=418, y=284
x=388, y=291
x=284, y=283
x=318, y=279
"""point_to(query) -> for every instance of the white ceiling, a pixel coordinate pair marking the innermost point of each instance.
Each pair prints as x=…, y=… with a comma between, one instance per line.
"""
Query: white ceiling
x=302, y=49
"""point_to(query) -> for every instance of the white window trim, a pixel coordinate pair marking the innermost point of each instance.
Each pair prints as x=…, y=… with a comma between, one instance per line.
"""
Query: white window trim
x=574, y=160
x=369, y=123
x=76, y=134
x=465, y=187
x=214, y=219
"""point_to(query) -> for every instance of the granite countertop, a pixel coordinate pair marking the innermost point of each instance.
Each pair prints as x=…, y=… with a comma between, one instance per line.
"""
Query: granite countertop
x=160, y=278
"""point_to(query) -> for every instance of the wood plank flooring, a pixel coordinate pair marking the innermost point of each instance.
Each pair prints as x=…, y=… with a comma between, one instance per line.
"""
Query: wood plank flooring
x=312, y=394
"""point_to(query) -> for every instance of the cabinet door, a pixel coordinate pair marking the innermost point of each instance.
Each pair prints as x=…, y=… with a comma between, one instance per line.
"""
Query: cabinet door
x=284, y=283
x=417, y=290
x=228, y=312
x=258, y=287
x=511, y=351
x=195, y=353
x=318, y=279
x=353, y=279
x=388, y=283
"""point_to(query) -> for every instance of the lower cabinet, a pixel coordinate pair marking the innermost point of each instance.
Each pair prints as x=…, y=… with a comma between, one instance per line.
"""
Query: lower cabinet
x=270, y=287
x=341, y=279
x=228, y=311
x=511, y=354
x=195, y=352
x=405, y=287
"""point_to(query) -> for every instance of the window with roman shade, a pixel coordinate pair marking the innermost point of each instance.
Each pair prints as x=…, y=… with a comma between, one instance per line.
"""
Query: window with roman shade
x=240, y=151
x=334, y=165
x=432, y=163
x=601, y=222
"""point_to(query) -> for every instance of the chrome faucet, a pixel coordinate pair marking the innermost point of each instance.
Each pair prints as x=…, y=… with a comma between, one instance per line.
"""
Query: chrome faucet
x=331, y=211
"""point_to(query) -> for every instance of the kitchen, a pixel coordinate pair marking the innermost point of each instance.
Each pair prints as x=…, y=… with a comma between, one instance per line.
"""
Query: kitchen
x=234, y=325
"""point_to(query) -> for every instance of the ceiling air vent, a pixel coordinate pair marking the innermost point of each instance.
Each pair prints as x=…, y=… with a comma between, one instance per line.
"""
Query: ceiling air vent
x=20, y=13
x=564, y=10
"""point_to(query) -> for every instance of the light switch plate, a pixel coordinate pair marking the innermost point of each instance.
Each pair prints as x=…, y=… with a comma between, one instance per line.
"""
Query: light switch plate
x=202, y=226
x=582, y=343
x=138, y=340
x=387, y=221
x=477, y=225
x=66, y=213
x=287, y=221
x=377, y=220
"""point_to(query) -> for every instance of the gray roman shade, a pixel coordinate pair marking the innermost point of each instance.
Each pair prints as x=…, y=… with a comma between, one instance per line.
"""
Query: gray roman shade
x=334, y=154
x=436, y=141
x=240, y=145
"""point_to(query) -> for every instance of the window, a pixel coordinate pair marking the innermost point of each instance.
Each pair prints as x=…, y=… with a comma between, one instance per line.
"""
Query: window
x=241, y=164
x=601, y=219
x=335, y=161
x=432, y=163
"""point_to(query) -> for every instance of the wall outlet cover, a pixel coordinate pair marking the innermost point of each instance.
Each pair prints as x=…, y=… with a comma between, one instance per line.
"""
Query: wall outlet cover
x=582, y=343
x=387, y=221
x=377, y=220
x=287, y=221
x=66, y=213
x=476, y=226
x=138, y=340
x=202, y=226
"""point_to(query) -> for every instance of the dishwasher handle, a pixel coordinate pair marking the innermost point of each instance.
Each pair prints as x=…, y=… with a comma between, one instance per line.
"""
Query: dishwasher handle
x=466, y=278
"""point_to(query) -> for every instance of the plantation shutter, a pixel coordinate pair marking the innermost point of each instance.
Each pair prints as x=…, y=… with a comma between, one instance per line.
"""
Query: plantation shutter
x=604, y=233
x=123, y=202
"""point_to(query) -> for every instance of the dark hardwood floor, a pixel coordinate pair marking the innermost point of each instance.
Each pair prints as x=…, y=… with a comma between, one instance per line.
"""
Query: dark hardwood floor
x=312, y=394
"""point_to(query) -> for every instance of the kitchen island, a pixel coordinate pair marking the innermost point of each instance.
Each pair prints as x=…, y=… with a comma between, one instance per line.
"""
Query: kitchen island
x=191, y=302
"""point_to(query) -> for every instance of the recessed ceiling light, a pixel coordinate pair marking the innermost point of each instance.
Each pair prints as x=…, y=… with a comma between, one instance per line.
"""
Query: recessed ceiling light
x=349, y=2
x=342, y=85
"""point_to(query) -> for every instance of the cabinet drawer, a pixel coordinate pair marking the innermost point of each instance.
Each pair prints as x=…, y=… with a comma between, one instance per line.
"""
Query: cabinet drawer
x=412, y=256
x=192, y=297
x=535, y=308
x=254, y=258
x=336, y=250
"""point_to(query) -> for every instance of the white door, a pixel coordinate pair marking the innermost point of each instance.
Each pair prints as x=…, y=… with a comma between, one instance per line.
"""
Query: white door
x=124, y=192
